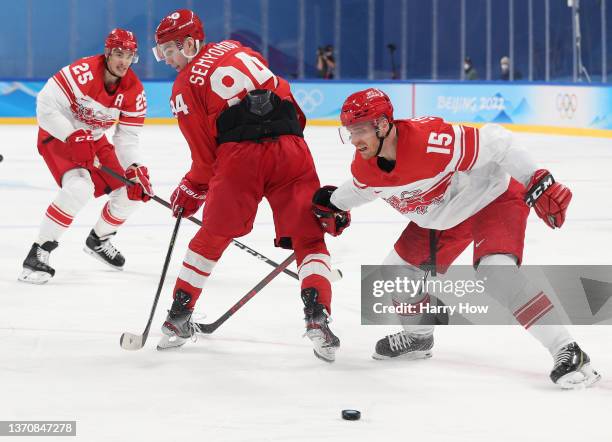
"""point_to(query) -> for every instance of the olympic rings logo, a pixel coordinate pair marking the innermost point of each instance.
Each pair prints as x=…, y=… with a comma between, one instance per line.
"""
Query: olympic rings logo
x=309, y=100
x=567, y=105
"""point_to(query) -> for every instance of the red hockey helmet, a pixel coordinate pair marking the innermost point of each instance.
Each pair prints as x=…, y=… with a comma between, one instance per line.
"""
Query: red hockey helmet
x=367, y=105
x=176, y=27
x=179, y=25
x=122, y=39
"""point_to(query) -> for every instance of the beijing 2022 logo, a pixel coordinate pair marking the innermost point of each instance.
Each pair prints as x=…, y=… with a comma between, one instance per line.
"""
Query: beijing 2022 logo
x=567, y=104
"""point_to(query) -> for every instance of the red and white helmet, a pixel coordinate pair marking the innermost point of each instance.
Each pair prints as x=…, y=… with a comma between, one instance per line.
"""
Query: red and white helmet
x=361, y=111
x=176, y=27
x=122, y=39
x=367, y=105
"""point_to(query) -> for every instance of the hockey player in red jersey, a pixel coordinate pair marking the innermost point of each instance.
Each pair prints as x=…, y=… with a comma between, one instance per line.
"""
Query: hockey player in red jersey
x=74, y=109
x=457, y=185
x=244, y=130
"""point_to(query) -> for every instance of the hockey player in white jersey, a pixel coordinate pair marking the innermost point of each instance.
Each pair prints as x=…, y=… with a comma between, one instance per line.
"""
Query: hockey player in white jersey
x=457, y=185
x=74, y=109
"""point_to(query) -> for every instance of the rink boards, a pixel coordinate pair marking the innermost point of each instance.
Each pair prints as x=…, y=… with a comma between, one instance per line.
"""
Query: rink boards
x=564, y=109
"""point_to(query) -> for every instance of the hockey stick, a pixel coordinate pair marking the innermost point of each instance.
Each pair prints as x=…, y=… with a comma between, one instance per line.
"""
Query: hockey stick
x=209, y=328
x=240, y=245
x=131, y=341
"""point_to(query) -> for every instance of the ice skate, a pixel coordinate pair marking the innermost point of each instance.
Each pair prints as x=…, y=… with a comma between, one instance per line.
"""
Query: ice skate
x=103, y=250
x=572, y=368
x=404, y=345
x=36, y=268
x=317, y=327
x=178, y=327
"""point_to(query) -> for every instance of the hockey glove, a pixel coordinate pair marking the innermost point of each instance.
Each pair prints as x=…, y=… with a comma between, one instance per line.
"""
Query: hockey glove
x=549, y=198
x=142, y=189
x=80, y=148
x=332, y=219
x=189, y=196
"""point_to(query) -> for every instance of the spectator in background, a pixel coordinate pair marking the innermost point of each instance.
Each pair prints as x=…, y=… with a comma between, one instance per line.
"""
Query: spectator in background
x=504, y=65
x=468, y=69
x=326, y=63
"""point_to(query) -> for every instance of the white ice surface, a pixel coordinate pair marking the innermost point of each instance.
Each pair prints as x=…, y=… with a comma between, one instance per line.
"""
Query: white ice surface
x=255, y=379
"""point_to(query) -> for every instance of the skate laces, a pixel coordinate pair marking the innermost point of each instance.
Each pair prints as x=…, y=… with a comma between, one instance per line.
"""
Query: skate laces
x=400, y=341
x=563, y=357
x=107, y=248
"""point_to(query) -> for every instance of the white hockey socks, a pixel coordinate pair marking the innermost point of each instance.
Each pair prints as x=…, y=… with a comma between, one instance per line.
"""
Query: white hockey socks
x=410, y=323
x=529, y=305
x=114, y=213
x=77, y=189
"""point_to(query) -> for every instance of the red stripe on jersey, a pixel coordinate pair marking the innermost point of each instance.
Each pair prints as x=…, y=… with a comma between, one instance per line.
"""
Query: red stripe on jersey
x=131, y=121
x=476, y=145
x=69, y=87
x=109, y=218
x=195, y=269
x=461, y=148
x=470, y=153
x=58, y=216
x=437, y=189
x=131, y=124
x=64, y=85
x=533, y=310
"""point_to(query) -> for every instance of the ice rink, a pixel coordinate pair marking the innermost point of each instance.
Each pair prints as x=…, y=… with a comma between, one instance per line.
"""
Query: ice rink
x=255, y=378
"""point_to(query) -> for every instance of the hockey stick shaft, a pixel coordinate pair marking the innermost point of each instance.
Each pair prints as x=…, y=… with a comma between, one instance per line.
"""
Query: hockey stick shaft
x=145, y=334
x=209, y=328
x=165, y=203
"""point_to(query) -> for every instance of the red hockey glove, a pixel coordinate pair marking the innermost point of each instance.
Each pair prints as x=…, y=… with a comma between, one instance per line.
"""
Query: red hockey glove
x=332, y=219
x=189, y=196
x=142, y=190
x=549, y=198
x=80, y=148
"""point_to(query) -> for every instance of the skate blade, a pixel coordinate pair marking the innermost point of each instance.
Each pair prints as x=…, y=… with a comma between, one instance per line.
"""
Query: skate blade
x=322, y=349
x=169, y=342
x=325, y=356
x=34, y=277
x=411, y=356
x=97, y=257
x=585, y=377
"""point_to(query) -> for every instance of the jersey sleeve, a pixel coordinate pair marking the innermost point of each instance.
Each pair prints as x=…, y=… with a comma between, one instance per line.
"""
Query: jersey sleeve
x=194, y=123
x=127, y=133
x=352, y=194
x=52, y=110
x=497, y=145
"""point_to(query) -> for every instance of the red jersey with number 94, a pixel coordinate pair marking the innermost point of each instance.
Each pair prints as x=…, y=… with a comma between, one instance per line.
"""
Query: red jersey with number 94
x=218, y=77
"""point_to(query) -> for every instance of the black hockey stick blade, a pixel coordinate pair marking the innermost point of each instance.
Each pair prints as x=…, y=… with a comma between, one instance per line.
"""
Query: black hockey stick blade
x=210, y=328
x=166, y=204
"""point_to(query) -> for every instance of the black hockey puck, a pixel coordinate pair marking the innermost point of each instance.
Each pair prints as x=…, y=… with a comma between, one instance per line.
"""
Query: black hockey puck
x=351, y=415
x=1, y=157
